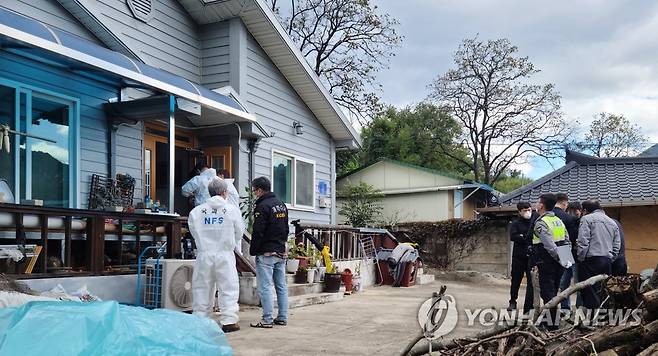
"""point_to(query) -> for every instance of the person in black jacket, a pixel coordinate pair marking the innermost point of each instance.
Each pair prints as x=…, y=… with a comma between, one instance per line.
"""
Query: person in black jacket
x=268, y=244
x=571, y=222
x=619, y=266
x=519, y=234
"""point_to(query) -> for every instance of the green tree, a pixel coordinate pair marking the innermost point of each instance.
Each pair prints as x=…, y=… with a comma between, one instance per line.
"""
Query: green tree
x=360, y=204
x=505, y=117
x=511, y=181
x=612, y=135
x=411, y=135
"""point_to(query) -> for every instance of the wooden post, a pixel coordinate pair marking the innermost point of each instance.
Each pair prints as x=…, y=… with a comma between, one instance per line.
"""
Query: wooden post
x=120, y=237
x=95, y=244
x=299, y=237
x=43, y=221
x=173, y=238
x=67, y=241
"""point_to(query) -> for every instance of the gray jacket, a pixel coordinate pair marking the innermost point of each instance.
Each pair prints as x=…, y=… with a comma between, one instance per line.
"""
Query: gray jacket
x=546, y=237
x=598, y=236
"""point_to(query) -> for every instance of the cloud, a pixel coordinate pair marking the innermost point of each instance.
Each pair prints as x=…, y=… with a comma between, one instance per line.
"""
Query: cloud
x=59, y=153
x=601, y=55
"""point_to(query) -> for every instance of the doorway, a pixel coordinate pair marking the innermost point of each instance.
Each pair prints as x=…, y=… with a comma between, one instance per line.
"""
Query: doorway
x=187, y=154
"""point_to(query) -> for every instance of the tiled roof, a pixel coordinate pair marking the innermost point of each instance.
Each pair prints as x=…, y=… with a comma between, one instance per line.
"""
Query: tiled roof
x=651, y=151
x=628, y=181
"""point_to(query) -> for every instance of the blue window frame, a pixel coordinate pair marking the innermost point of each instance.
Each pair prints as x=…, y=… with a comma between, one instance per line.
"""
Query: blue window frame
x=37, y=168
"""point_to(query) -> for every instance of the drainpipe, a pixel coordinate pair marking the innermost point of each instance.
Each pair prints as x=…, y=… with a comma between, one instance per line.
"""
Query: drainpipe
x=171, y=147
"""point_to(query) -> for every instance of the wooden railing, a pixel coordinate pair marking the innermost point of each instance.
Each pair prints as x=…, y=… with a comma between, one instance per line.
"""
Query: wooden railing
x=88, y=246
x=343, y=241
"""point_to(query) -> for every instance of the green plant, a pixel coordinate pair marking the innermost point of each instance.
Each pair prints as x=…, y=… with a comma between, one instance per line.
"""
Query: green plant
x=302, y=269
x=247, y=208
x=360, y=204
x=295, y=249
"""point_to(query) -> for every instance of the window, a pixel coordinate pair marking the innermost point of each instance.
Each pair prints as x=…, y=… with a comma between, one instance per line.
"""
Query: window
x=41, y=165
x=293, y=180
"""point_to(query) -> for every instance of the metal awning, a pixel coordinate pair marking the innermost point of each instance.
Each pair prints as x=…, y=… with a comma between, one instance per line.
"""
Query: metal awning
x=33, y=38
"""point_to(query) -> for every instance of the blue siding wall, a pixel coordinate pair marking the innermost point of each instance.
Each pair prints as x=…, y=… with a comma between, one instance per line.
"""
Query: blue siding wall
x=94, y=128
x=276, y=105
x=49, y=12
x=215, y=55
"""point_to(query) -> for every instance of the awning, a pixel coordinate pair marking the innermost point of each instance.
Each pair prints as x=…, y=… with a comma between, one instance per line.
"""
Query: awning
x=27, y=36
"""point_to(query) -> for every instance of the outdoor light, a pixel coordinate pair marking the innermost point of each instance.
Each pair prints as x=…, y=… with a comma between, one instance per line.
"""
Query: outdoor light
x=298, y=128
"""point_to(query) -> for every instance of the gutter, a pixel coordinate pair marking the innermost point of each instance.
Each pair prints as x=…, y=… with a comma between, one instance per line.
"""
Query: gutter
x=431, y=189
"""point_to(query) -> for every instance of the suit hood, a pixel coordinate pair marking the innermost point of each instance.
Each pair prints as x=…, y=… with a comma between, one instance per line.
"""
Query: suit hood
x=216, y=202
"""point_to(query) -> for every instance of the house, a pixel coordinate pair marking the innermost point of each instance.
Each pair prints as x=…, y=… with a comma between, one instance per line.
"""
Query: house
x=149, y=88
x=414, y=193
x=626, y=187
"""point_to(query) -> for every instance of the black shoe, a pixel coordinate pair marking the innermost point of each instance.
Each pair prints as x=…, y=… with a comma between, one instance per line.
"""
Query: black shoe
x=229, y=328
x=262, y=325
x=280, y=322
x=512, y=306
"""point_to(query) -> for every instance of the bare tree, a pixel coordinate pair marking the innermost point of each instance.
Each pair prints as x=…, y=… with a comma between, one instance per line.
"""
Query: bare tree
x=346, y=42
x=612, y=135
x=506, y=119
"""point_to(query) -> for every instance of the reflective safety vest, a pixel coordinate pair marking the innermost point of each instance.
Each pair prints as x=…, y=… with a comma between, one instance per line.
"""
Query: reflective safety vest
x=556, y=227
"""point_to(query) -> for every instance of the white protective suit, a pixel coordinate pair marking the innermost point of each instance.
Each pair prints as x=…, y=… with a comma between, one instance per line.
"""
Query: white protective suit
x=198, y=186
x=233, y=196
x=217, y=228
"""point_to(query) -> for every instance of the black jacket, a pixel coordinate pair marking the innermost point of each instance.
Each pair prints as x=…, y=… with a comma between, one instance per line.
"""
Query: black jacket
x=520, y=234
x=572, y=224
x=270, y=231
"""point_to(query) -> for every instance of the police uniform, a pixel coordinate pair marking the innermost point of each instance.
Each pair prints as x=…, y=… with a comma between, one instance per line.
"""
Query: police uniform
x=549, y=233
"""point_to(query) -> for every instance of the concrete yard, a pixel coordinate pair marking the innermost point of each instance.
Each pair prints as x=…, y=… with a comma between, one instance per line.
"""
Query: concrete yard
x=378, y=321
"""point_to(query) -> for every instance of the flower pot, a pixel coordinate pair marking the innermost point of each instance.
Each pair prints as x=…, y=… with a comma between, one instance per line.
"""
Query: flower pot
x=303, y=261
x=319, y=274
x=311, y=275
x=292, y=266
x=346, y=276
x=332, y=282
x=301, y=277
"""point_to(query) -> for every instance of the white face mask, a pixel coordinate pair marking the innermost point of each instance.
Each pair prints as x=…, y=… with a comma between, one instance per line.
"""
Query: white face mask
x=526, y=215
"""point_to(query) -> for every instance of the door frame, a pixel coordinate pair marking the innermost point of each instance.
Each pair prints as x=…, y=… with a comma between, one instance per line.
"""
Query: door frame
x=150, y=140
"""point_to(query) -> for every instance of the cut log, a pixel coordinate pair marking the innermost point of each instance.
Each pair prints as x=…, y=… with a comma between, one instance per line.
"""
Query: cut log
x=553, y=303
x=650, y=351
x=650, y=300
x=437, y=345
x=609, y=338
x=624, y=291
x=653, y=281
x=502, y=345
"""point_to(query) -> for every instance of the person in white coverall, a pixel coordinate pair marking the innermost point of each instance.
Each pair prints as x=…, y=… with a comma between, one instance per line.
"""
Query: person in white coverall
x=198, y=185
x=233, y=196
x=217, y=228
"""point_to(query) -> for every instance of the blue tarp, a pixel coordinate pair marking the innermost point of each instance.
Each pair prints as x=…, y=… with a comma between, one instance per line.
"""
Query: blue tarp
x=106, y=328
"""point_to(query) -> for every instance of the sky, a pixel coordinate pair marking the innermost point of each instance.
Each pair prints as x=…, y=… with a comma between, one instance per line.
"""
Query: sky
x=601, y=55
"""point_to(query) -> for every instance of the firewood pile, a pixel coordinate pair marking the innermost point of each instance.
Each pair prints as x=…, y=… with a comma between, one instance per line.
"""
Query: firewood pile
x=623, y=297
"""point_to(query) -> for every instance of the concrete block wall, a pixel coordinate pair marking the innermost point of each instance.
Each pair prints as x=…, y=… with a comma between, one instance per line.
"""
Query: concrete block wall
x=493, y=251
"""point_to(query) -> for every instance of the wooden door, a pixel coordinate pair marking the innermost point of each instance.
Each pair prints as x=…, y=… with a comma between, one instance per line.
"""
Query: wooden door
x=219, y=158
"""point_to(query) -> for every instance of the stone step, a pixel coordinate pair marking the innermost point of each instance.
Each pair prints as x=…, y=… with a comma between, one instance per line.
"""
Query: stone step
x=300, y=289
x=313, y=299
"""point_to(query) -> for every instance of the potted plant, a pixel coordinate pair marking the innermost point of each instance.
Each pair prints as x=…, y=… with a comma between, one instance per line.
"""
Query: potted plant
x=346, y=277
x=302, y=255
x=293, y=263
x=332, y=281
x=301, y=277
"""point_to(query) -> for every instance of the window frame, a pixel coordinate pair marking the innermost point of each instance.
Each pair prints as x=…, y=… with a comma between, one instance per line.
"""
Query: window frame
x=74, y=136
x=293, y=204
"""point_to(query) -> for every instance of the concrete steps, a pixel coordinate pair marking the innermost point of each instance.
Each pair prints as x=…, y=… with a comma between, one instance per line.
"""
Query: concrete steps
x=299, y=295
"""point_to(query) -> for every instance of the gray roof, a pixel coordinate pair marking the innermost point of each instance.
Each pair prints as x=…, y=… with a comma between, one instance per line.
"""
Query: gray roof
x=651, y=151
x=614, y=181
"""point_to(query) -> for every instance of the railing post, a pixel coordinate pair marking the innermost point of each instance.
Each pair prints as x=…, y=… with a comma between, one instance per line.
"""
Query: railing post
x=67, y=241
x=299, y=237
x=95, y=244
x=173, y=238
x=43, y=221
